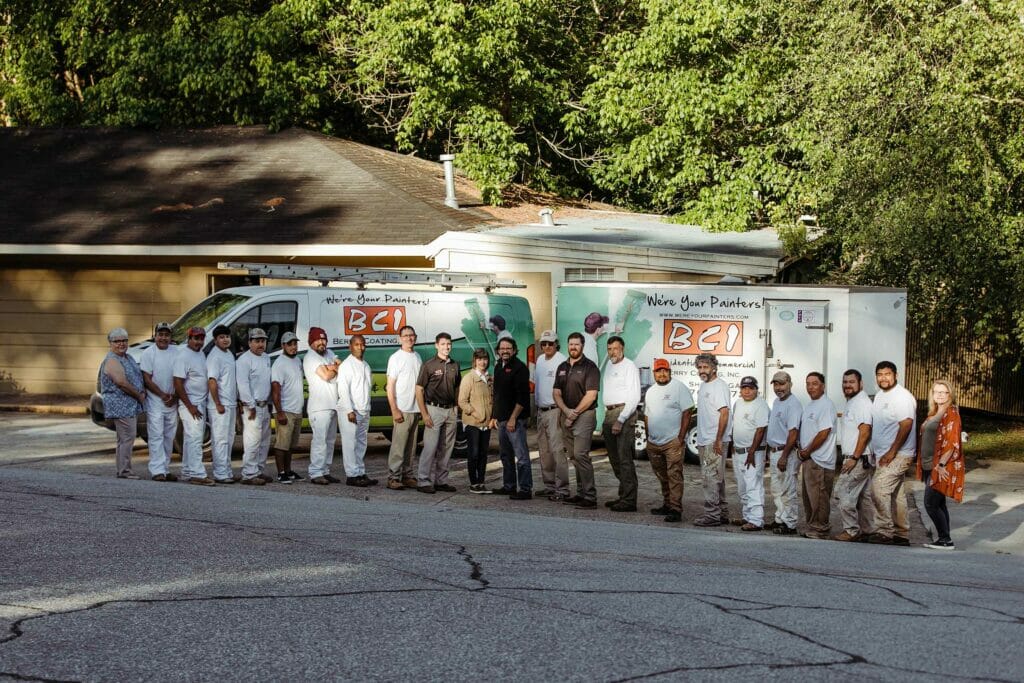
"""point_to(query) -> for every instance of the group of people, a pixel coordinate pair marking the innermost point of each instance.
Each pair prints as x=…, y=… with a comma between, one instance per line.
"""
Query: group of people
x=877, y=440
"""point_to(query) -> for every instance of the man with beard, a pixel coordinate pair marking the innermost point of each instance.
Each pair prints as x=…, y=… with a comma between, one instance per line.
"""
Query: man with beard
x=157, y=365
x=713, y=429
x=254, y=396
x=893, y=441
x=190, y=384
x=321, y=369
x=783, y=436
x=667, y=407
x=853, y=487
x=286, y=395
x=222, y=405
x=554, y=466
x=577, y=381
x=508, y=417
x=354, y=382
x=818, y=457
x=620, y=391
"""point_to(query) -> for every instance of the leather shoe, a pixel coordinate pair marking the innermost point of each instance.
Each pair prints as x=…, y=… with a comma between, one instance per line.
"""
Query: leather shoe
x=704, y=521
x=255, y=481
x=663, y=510
x=356, y=481
x=844, y=537
x=750, y=526
x=880, y=539
x=622, y=507
x=502, y=492
x=395, y=485
x=410, y=483
x=447, y=488
x=320, y=481
x=171, y=477
x=783, y=530
x=201, y=481
x=225, y=481
x=674, y=516
x=369, y=482
x=425, y=489
x=159, y=477
x=266, y=477
x=521, y=495
x=572, y=500
x=586, y=504
x=609, y=503
x=331, y=478
x=128, y=476
x=899, y=540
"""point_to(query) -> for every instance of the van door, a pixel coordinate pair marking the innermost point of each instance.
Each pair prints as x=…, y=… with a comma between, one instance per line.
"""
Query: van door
x=796, y=341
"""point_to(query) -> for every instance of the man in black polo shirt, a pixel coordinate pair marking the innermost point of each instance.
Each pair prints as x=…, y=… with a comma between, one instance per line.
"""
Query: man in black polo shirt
x=576, y=383
x=437, y=389
x=511, y=409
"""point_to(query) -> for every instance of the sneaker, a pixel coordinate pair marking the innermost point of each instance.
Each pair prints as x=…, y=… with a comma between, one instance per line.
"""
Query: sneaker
x=425, y=489
x=940, y=545
x=283, y=478
x=521, y=495
x=502, y=492
x=255, y=481
x=707, y=521
x=320, y=481
x=844, y=537
x=201, y=481
x=663, y=510
x=395, y=485
x=356, y=481
x=783, y=530
x=332, y=479
x=586, y=504
x=622, y=507
x=128, y=476
x=447, y=488
x=293, y=475
x=479, y=489
x=674, y=516
x=410, y=483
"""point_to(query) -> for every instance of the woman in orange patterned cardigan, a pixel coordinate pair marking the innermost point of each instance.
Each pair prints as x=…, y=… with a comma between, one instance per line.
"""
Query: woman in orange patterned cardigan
x=940, y=461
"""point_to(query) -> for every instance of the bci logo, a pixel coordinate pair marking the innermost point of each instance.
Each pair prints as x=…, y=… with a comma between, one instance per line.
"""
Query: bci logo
x=691, y=337
x=373, y=320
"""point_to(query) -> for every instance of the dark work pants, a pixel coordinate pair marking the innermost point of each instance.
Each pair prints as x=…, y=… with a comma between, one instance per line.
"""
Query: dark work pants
x=477, y=440
x=935, y=506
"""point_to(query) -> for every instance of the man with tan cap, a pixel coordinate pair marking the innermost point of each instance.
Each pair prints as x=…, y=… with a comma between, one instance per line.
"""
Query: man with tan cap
x=157, y=365
x=321, y=369
x=190, y=384
x=783, y=441
x=222, y=405
x=554, y=464
x=286, y=395
x=253, y=370
x=667, y=407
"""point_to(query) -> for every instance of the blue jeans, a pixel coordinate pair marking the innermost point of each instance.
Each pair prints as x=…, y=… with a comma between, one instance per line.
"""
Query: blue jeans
x=477, y=441
x=515, y=457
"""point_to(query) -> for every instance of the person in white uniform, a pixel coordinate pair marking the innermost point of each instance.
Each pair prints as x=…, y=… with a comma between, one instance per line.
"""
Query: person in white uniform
x=157, y=365
x=354, y=382
x=853, y=486
x=713, y=429
x=620, y=391
x=253, y=370
x=222, y=405
x=749, y=424
x=893, y=442
x=667, y=406
x=783, y=443
x=554, y=462
x=286, y=389
x=403, y=370
x=321, y=369
x=818, y=457
x=192, y=390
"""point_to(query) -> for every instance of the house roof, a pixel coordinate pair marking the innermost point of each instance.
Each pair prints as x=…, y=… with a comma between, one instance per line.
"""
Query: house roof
x=220, y=186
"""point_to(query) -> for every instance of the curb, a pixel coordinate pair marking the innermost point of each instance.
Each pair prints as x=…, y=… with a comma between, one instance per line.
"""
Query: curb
x=44, y=409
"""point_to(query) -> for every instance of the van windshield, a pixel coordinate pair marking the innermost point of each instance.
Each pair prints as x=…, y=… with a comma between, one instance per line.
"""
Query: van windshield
x=204, y=313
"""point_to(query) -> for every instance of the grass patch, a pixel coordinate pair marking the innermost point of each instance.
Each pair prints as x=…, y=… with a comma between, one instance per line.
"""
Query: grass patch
x=993, y=439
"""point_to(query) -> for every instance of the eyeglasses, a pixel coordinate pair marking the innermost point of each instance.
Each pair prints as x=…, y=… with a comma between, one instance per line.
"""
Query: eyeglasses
x=119, y=341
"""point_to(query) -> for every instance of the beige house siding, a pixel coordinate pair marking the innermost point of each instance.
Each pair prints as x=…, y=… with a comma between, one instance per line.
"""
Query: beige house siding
x=54, y=322
x=635, y=276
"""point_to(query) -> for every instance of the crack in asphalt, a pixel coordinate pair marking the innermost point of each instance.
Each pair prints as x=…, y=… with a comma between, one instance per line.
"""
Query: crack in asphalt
x=476, y=571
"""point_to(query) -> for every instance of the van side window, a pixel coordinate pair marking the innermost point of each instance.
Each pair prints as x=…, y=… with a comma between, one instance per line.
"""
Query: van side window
x=274, y=318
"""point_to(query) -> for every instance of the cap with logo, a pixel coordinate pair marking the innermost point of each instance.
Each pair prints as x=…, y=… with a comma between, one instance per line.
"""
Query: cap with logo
x=196, y=332
x=161, y=327
x=288, y=337
x=221, y=329
x=748, y=381
x=257, y=333
x=316, y=333
x=548, y=336
x=781, y=377
x=661, y=364
x=504, y=334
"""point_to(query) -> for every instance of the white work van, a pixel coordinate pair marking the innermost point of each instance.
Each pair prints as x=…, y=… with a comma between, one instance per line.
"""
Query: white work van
x=473, y=319
x=752, y=329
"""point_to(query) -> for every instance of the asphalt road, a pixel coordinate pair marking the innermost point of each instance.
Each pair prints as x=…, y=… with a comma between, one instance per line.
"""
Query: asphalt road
x=107, y=579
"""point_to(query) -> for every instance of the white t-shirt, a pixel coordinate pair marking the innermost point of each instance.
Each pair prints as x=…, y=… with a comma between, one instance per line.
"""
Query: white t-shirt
x=288, y=373
x=664, y=405
x=711, y=397
x=253, y=378
x=818, y=415
x=784, y=416
x=620, y=383
x=747, y=418
x=190, y=366
x=889, y=409
x=354, y=382
x=856, y=413
x=323, y=395
x=160, y=365
x=404, y=368
x=544, y=378
x=220, y=365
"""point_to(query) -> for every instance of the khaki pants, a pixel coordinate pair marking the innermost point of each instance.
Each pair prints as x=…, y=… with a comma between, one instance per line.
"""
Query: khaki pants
x=854, y=500
x=667, y=463
x=621, y=452
x=438, y=442
x=287, y=436
x=403, y=447
x=816, y=491
x=554, y=463
x=576, y=440
x=712, y=471
x=890, y=498
x=784, y=485
x=125, y=428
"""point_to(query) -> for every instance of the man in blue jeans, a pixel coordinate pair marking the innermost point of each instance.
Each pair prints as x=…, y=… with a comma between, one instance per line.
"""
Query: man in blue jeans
x=511, y=409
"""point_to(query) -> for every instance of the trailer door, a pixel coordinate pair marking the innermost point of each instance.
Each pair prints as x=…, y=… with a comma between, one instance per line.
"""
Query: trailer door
x=796, y=340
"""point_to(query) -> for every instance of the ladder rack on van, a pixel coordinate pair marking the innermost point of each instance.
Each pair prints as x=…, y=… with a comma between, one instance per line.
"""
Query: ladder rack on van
x=378, y=276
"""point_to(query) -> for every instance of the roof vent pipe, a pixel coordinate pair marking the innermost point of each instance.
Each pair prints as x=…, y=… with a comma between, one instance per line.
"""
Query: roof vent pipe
x=449, y=181
x=547, y=217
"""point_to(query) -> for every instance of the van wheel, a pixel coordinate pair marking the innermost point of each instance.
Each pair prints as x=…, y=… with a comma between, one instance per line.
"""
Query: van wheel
x=691, y=455
x=640, y=443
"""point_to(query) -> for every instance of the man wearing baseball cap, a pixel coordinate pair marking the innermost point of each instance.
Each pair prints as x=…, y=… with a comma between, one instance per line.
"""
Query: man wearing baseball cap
x=783, y=437
x=190, y=383
x=157, y=365
x=554, y=463
x=321, y=369
x=749, y=424
x=286, y=393
x=254, y=396
x=667, y=407
x=222, y=405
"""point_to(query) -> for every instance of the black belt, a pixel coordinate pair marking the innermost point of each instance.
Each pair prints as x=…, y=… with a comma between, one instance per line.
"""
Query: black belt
x=446, y=406
x=259, y=404
x=545, y=408
x=745, y=450
x=614, y=406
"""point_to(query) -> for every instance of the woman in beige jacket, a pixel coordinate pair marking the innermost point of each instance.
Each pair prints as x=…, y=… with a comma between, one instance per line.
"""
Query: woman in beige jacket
x=476, y=401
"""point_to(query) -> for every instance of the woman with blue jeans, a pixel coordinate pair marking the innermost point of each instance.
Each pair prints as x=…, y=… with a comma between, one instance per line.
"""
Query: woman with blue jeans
x=476, y=403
